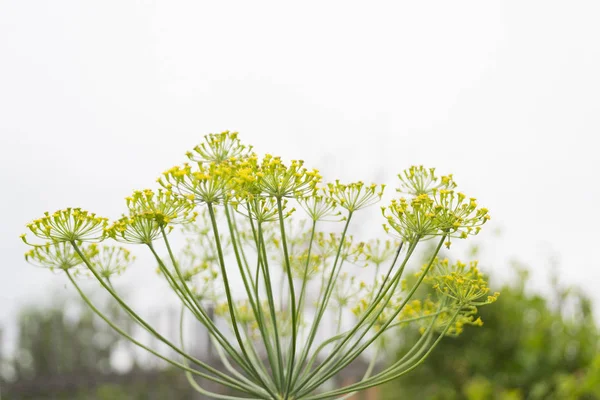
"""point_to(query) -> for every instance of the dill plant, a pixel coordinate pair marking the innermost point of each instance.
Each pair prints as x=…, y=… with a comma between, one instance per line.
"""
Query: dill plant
x=258, y=222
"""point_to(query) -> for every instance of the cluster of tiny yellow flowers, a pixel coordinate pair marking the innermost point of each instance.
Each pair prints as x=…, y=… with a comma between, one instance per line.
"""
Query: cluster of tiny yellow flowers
x=219, y=147
x=70, y=224
x=379, y=251
x=109, y=260
x=347, y=289
x=208, y=183
x=54, y=256
x=354, y=196
x=277, y=180
x=149, y=213
x=162, y=206
x=435, y=210
x=417, y=309
x=320, y=207
x=461, y=282
x=418, y=180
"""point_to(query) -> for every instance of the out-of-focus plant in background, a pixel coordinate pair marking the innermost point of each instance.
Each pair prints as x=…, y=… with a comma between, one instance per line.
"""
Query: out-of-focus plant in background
x=64, y=351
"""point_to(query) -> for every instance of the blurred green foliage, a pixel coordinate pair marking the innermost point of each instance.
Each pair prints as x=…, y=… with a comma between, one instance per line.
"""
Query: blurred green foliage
x=530, y=348
x=60, y=356
x=49, y=344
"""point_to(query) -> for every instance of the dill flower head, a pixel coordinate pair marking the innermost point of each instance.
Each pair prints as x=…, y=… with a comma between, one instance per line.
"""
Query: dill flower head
x=278, y=180
x=208, y=183
x=70, y=224
x=454, y=328
x=354, y=196
x=418, y=308
x=109, y=260
x=412, y=221
x=261, y=209
x=328, y=245
x=458, y=216
x=347, y=290
x=320, y=207
x=461, y=282
x=379, y=251
x=418, y=180
x=164, y=206
x=445, y=213
x=135, y=229
x=304, y=266
x=219, y=147
x=54, y=256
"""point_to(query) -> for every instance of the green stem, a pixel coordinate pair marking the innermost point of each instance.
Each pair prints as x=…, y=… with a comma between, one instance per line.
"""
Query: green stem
x=139, y=320
x=306, y=266
x=250, y=288
x=353, y=355
x=225, y=362
x=278, y=372
x=232, y=311
x=322, y=306
x=230, y=382
x=367, y=314
x=187, y=296
x=384, y=376
x=292, y=350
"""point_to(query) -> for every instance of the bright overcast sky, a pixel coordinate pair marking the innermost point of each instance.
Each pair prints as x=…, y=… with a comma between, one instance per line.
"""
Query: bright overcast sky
x=98, y=98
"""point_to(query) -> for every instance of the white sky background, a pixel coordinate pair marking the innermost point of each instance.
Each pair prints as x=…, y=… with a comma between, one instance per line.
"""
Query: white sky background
x=98, y=98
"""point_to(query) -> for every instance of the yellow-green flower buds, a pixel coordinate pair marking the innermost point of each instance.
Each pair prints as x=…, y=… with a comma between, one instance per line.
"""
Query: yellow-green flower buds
x=136, y=228
x=109, y=260
x=456, y=215
x=219, y=147
x=277, y=180
x=319, y=207
x=164, y=206
x=208, y=184
x=71, y=224
x=418, y=180
x=379, y=251
x=55, y=256
x=447, y=213
x=412, y=221
x=354, y=196
x=261, y=209
x=461, y=282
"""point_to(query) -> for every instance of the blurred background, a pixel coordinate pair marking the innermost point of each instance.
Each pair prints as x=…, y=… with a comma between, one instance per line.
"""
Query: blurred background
x=97, y=99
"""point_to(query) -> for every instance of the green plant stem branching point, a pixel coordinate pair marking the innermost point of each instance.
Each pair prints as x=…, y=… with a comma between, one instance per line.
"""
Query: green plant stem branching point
x=261, y=223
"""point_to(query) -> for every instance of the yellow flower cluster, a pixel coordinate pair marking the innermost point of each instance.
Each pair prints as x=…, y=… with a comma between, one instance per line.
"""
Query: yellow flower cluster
x=70, y=224
x=219, y=147
x=320, y=207
x=414, y=220
x=109, y=260
x=354, y=196
x=418, y=308
x=54, y=256
x=136, y=229
x=149, y=212
x=461, y=282
x=164, y=207
x=435, y=210
x=418, y=180
x=379, y=251
x=208, y=183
